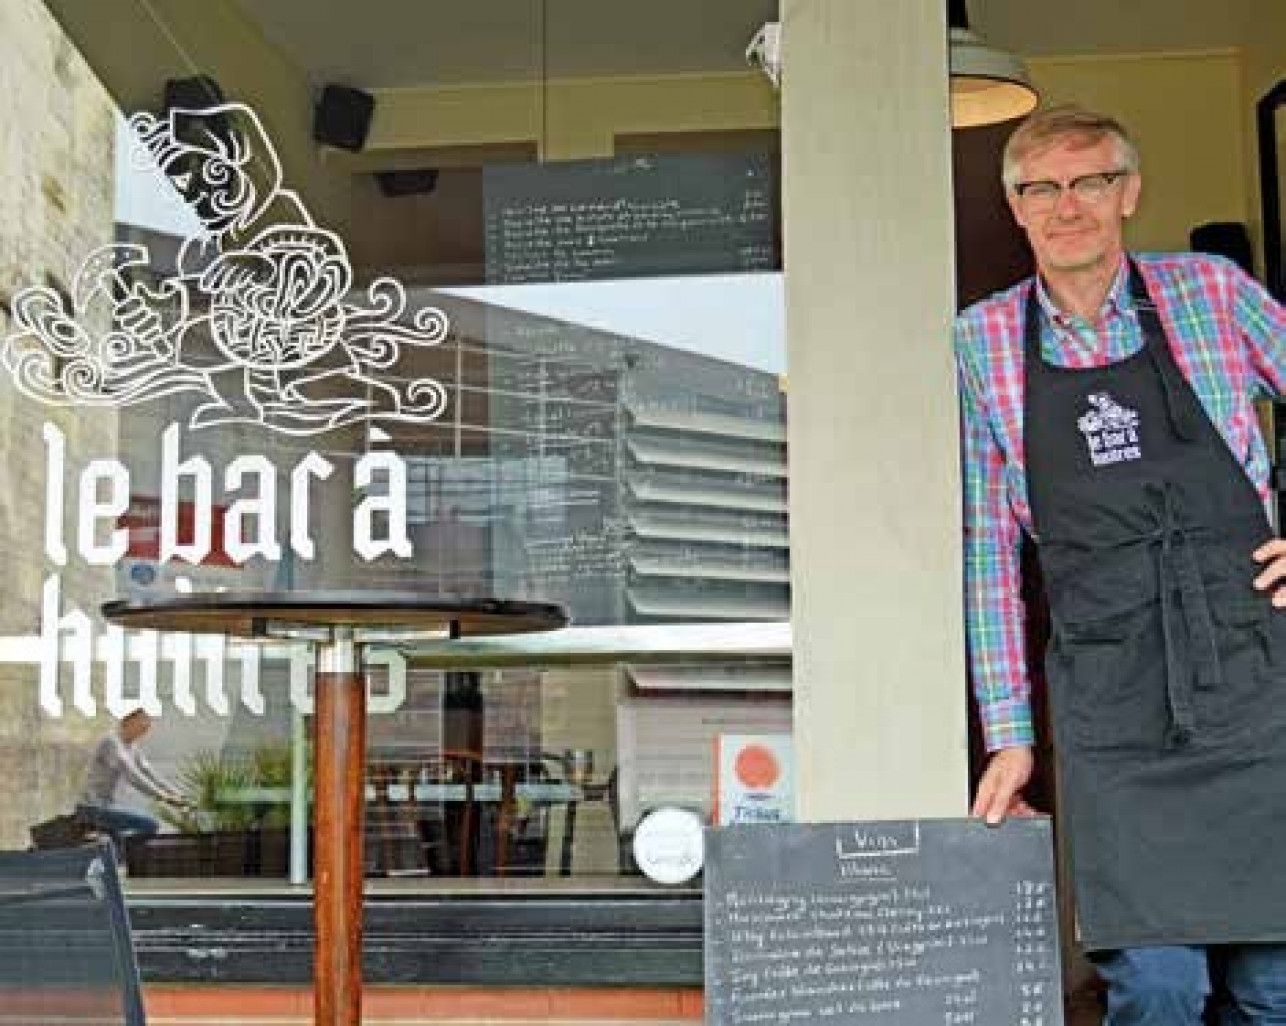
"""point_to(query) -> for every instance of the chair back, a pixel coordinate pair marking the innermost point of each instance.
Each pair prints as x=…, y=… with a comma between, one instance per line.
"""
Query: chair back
x=66, y=954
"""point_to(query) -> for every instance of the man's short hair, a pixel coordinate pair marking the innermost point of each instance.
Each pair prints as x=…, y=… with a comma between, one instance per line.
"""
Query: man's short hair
x=1054, y=124
x=135, y=713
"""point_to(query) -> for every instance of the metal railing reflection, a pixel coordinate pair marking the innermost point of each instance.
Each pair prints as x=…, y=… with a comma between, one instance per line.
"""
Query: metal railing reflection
x=665, y=643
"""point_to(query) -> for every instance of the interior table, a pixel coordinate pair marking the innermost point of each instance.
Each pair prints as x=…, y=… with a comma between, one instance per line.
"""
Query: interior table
x=339, y=624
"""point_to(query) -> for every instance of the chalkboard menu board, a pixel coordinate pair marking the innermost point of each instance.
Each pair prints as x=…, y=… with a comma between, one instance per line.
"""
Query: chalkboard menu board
x=588, y=220
x=911, y=923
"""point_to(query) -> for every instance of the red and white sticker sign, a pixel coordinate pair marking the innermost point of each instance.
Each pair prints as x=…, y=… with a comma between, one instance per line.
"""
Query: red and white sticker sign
x=754, y=778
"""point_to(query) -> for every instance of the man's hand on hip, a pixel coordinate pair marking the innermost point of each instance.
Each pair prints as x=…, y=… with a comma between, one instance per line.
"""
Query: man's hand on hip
x=1000, y=789
x=1273, y=555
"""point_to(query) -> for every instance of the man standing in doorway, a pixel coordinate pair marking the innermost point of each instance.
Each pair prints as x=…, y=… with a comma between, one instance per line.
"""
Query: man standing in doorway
x=1107, y=413
x=116, y=759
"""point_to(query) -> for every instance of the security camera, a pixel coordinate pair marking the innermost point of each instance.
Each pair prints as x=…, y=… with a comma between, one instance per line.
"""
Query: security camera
x=764, y=51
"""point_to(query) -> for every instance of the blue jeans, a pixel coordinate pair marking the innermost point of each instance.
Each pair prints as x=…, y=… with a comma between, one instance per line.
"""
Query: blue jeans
x=1171, y=986
x=118, y=823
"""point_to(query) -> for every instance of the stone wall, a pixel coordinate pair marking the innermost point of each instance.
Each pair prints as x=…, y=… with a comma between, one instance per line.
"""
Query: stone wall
x=56, y=205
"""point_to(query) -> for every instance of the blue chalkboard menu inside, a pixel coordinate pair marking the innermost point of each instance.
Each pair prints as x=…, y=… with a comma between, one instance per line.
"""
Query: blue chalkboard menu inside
x=590, y=220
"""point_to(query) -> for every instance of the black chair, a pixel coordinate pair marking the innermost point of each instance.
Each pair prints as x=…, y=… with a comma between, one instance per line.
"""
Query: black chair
x=66, y=955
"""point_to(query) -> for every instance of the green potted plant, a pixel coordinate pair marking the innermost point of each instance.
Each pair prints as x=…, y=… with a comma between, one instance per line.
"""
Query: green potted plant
x=206, y=779
x=236, y=823
x=272, y=768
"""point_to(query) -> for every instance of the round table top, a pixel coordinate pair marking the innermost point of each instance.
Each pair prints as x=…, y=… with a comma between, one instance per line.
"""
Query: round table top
x=373, y=615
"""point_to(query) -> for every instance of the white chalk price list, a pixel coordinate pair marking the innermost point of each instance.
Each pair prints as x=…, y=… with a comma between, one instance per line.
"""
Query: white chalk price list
x=1033, y=951
x=890, y=953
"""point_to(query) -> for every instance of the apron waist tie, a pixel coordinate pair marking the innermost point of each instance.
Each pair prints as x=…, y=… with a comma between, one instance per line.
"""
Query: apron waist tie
x=1179, y=572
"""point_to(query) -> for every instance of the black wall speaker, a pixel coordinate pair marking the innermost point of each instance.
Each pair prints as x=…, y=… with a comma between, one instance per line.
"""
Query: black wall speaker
x=195, y=93
x=415, y=182
x=198, y=93
x=343, y=117
x=1227, y=239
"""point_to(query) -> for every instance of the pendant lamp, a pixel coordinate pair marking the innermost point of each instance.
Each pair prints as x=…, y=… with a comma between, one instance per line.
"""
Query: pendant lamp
x=987, y=85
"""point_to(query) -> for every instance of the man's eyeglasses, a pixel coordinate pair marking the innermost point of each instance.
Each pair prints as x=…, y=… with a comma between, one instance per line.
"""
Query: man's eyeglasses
x=1044, y=195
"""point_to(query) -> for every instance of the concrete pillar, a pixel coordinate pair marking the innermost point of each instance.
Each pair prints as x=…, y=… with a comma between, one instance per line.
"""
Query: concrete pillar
x=874, y=491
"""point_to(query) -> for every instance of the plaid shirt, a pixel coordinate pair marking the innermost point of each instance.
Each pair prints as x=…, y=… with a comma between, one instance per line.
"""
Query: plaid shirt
x=1229, y=339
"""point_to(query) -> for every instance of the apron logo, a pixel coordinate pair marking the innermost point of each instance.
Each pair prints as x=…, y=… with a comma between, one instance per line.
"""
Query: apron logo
x=1111, y=431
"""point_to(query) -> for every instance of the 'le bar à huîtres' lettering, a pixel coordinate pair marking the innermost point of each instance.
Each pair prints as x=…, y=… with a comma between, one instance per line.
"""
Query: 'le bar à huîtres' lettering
x=101, y=498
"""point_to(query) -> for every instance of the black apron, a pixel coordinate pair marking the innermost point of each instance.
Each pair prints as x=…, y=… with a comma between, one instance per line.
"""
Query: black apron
x=1167, y=670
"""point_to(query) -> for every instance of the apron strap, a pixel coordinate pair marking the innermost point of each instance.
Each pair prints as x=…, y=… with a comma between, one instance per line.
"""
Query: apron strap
x=1181, y=417
x=1177, y=566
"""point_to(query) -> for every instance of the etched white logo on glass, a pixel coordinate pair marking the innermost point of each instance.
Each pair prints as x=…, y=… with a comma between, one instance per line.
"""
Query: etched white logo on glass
x=258, y=320
x=260, y=317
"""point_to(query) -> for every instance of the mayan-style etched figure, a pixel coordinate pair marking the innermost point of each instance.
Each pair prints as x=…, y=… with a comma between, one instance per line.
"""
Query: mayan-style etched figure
x=260, y=317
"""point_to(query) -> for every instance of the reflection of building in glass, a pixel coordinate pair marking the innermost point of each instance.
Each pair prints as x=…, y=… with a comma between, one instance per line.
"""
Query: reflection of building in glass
x=635, y=482
x=707, y=504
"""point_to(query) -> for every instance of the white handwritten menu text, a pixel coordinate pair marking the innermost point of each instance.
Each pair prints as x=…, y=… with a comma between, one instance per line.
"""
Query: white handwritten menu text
x=906, y=923
x=628, y=217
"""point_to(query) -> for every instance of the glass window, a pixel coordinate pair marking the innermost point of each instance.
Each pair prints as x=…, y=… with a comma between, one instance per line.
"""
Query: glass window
x=499, y=317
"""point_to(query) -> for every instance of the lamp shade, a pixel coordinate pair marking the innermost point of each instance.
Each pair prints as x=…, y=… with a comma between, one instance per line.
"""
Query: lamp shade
x=987, y=85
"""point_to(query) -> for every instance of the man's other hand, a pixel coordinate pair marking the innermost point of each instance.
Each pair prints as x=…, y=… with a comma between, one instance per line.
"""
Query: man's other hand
x=1000, y=789
x=1273, y=555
